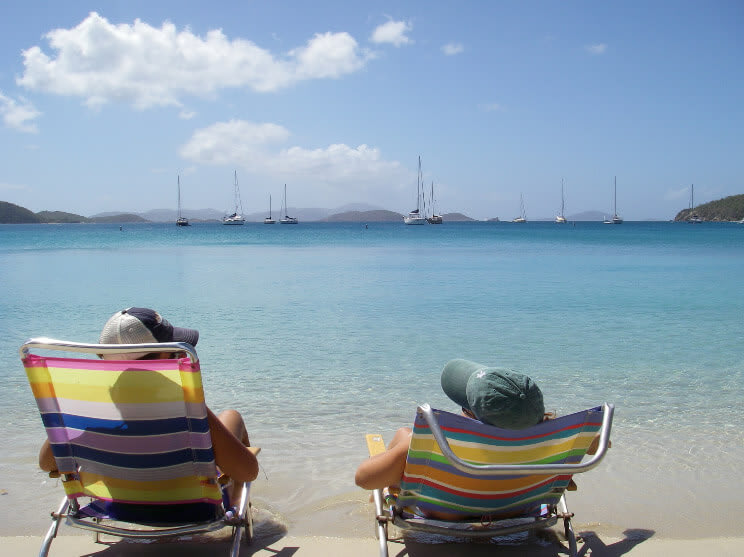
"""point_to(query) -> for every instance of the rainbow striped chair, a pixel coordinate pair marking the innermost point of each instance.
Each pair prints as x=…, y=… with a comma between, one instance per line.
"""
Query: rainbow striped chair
x=131, y=442
x=489, y=481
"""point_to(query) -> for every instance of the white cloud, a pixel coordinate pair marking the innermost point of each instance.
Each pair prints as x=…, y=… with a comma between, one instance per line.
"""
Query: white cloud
x=392, y=32
x=232, y=142
x=596, y=49
x=148, y=66
x=186, y=114
x=330, y=171
x=328, y=55
x=450, y=49
x=18, y=115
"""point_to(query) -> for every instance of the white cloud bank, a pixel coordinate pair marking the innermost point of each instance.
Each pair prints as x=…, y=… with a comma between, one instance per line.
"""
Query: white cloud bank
x=148, y=66
x=392, y=32
x=596, y=49
x=18, y=115
x=333, y=172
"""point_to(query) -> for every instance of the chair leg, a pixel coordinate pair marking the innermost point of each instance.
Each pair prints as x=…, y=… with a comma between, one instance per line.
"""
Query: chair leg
x=382, y=525
x=567, y=527
x=244, y=523
x=52, y=532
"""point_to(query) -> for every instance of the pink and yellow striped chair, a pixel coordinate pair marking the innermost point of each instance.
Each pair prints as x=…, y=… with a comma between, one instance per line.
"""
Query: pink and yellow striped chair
x=131, y=441
x=489, y=481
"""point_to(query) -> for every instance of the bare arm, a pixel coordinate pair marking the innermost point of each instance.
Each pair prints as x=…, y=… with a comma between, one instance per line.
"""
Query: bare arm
x=385, y=469
x=46, y=458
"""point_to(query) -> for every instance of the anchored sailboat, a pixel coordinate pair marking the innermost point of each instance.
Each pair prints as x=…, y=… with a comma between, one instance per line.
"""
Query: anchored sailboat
x=561, y=218
x=522, y=215
x=286, y=219
x=415, y=216
x=269, y=220
x=694, y=218
x=434, y=218
x=616, y=219
x=237, y=216
x=181, y=220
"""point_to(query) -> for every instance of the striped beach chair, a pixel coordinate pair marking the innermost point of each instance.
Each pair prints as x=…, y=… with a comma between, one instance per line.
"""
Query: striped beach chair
x=489, y=481
x=131, y=442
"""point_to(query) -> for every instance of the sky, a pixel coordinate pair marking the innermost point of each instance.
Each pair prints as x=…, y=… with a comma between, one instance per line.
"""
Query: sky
x=104, y=105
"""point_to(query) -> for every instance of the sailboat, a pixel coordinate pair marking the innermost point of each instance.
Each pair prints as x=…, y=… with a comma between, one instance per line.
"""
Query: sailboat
x=237, y=216
x=434, y=218
x=181, y=220
x=286, y=219
x=615, y=218
x=522, y=215
x=415, y=216
x=561, y=218
x=694, y=218
x=269, y=220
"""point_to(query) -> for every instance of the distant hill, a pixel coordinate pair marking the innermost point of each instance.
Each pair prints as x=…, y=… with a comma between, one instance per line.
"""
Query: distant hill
x=10, y=213
x=378, y=215
x=56, y=217
x=122, y=217
x=352, y=212
x=456, y=217
x=727, y=209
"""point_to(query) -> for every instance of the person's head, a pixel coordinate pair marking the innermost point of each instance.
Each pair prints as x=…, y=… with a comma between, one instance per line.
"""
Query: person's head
x=493, y=395
x=142, y=325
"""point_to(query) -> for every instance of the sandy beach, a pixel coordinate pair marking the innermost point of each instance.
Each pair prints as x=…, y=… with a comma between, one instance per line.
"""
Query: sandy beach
x=635, y=543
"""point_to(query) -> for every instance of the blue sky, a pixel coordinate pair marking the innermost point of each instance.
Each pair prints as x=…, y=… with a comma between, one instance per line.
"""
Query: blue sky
x=104, y=104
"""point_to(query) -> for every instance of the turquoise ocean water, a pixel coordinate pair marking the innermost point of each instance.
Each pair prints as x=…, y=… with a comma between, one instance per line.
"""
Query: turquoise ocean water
x=319, y=333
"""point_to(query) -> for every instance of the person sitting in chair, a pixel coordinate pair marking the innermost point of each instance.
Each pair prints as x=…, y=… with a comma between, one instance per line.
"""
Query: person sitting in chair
x=494, y=396
x=228, y=432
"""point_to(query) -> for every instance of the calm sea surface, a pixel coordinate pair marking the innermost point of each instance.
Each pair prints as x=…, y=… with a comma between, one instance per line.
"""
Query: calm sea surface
x=319, y=333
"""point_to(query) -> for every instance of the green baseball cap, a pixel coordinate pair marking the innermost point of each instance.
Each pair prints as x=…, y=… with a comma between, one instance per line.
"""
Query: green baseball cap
x=494, y=395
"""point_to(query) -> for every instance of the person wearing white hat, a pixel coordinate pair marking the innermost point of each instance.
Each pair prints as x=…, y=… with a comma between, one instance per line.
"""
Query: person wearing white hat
x=229, y=435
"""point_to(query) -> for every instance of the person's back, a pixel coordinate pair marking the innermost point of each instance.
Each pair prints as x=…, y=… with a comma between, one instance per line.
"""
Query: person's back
x=230, y=440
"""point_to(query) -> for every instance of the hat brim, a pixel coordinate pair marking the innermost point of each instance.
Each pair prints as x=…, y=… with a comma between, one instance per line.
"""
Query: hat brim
x=455, y=376
x=182, y=334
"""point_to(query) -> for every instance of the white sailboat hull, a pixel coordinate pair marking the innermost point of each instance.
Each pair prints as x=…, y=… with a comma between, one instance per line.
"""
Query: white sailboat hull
x=233, y=220
x=414, y=218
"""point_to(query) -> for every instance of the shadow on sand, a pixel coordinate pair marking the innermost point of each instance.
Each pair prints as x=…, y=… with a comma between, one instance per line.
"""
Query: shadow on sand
x=539, y=544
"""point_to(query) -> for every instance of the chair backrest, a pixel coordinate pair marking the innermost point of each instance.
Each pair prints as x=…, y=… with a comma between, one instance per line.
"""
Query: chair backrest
x=431, y=483
x=127, y=431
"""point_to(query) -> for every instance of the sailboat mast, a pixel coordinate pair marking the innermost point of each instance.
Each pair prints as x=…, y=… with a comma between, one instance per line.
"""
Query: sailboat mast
x=562, y=198
x=418, y=186
x=179, y=196
x=615, y=196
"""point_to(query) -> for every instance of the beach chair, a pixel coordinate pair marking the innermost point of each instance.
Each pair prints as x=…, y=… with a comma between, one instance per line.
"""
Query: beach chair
x=489, y=481
x=131, y=442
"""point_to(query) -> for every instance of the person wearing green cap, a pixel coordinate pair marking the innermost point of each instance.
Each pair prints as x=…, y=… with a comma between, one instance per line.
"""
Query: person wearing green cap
x=492, y=395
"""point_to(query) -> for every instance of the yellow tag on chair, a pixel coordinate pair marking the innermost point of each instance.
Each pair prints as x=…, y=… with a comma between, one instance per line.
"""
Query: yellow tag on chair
x=375, y=444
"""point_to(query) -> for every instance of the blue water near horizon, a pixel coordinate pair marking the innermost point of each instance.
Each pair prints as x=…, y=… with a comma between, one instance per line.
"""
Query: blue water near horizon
x=321, y=332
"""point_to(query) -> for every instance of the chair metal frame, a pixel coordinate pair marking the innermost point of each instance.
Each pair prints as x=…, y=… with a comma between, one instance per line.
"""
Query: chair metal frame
x=396, y=515
x=240, y=521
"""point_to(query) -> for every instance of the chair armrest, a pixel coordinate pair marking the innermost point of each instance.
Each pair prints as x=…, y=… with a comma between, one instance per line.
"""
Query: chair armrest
x=508, y=469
